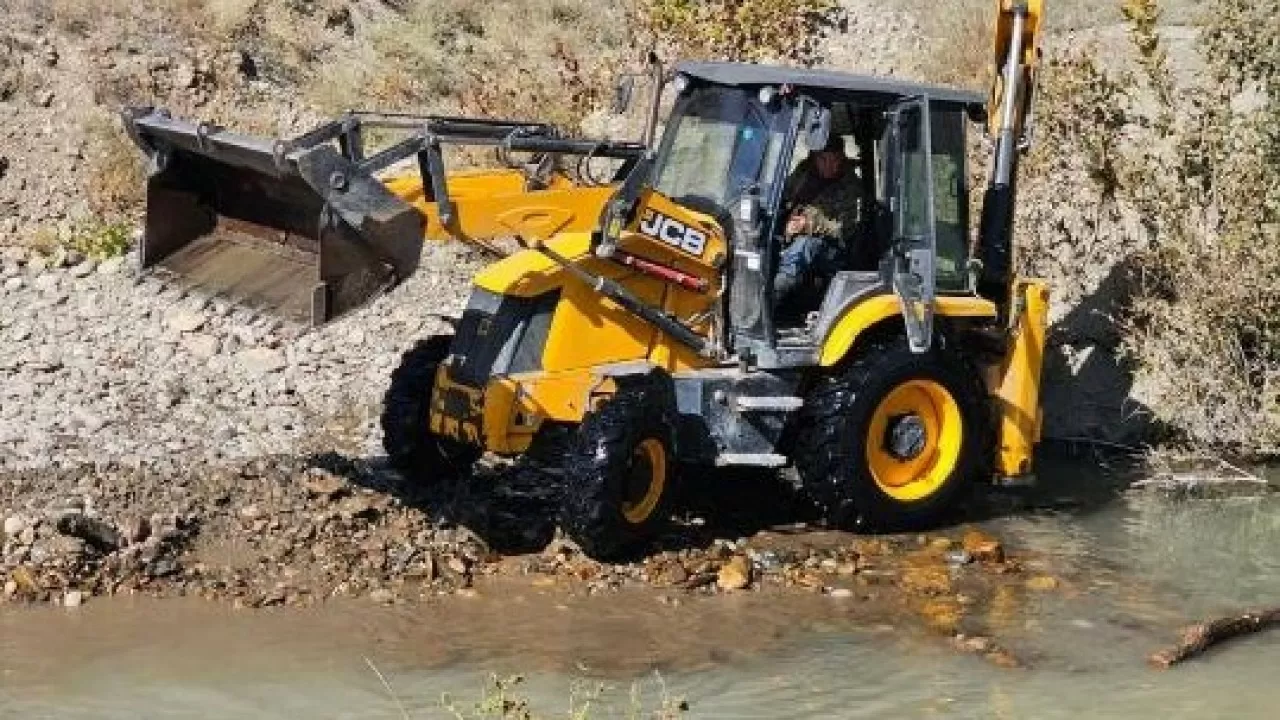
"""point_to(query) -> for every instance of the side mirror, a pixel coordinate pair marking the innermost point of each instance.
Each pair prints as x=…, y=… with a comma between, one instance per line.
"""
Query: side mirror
x=623, y=94
x=819, y=130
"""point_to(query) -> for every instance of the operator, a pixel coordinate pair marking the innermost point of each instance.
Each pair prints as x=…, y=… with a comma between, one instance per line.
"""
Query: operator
x=823, y=198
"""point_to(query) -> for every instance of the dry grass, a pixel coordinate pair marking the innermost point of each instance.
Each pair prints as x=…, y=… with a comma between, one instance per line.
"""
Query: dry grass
x=551, y=60
x=115, y=181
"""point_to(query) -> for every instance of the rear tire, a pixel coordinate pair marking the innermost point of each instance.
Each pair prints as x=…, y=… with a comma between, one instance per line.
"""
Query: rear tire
x=406, y=407
x=895, y=441
x=619, y=472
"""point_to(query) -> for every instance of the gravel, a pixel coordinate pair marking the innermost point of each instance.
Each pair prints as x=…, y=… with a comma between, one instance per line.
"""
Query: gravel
x=118, y=367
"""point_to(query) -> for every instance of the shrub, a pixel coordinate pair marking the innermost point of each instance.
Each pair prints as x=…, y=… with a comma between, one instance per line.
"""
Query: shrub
x=1204, y=330
x=742, y=30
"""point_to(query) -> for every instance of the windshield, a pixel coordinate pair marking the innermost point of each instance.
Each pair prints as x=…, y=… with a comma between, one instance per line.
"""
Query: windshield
x=720, y=142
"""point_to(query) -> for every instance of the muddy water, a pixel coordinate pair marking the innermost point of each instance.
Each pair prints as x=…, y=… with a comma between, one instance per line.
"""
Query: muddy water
x=1132, y=569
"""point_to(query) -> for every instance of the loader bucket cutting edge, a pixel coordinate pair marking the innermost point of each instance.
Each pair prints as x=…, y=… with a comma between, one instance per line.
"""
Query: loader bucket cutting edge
x=306, y=235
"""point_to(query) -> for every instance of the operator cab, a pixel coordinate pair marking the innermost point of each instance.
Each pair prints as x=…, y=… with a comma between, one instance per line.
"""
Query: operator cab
x=738, y=133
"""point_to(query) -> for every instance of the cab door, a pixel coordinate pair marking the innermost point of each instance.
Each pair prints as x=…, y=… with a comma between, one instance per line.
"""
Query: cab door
x=914, y=242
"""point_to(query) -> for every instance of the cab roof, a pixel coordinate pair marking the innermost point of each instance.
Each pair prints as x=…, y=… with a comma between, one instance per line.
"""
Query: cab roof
x=881, y=88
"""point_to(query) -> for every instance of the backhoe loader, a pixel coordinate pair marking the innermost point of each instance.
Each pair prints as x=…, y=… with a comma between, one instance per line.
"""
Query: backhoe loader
x=640, y=324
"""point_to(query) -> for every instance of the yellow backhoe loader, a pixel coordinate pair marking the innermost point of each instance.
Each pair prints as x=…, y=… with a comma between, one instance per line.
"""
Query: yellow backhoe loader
x=641, y=322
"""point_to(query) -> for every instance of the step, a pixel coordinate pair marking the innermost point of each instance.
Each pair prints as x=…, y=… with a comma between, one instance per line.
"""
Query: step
x=767, y=460
x=780, y=403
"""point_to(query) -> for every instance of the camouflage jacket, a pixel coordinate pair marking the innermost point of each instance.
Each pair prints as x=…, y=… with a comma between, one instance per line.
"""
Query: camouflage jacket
x=833, y=207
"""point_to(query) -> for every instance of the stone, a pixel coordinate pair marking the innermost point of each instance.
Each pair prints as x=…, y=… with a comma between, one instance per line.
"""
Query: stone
x=983, y=547
x=83, y=269
x=10, y=588
x=957, y=557
x=382, y=596
x=202, y=346
x=73, y=599
x=1042, y=583
x=323, y=484
x=261, y=361
x=98, y=534
x=184, y=320
x=111, y=266
x=136, y=529
x=841, y=593
x=14, y=525
x=735, y=574
x=14, y=284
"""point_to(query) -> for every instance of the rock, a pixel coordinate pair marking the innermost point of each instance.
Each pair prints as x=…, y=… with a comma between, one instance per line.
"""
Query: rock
x=14, y=525
x=262, y=361
x=250, y=512
x=457, y=566
x=1042, y=583
x=202, y=346
x=111, y=266
x=83, y=269
x=73, y=599
x=983, y=547
x=323, y=484
x=136, y=529
x=382, y=596
x=940, y=544
x=99, y=535
x=10, y=588
x=184, y=320
x=25, y=580
x=841, y=593
x=735, y=574
x=957, y=557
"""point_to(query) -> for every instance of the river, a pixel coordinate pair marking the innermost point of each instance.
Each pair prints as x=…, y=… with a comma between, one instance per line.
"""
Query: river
x=1141, y=566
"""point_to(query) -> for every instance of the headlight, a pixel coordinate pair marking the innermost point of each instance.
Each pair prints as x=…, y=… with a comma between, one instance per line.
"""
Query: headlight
x=767, y=94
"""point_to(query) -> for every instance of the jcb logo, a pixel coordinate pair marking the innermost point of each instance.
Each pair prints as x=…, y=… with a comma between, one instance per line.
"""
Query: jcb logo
x=673, y=232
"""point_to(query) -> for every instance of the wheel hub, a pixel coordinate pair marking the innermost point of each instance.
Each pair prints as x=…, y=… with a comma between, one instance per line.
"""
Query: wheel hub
x=906, y=438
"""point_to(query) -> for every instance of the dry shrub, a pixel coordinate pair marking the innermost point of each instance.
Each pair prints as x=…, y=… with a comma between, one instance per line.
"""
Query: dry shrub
x=115, y=181
x=743, y=30
x=1205, y=327
x=546, y=60
x=959, y=33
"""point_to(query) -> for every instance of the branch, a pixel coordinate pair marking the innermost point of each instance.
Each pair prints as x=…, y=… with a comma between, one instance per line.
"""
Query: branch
x=1199, y=638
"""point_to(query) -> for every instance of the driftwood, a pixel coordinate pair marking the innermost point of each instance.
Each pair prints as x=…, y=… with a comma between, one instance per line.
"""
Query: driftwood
x=1199, y=638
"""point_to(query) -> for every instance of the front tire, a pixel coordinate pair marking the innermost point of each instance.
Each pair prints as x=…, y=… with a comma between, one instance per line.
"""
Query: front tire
x=895, y=441
x=406, y=407
x=619, y=472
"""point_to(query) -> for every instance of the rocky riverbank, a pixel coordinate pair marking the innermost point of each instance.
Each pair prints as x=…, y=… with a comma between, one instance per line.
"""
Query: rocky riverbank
x=100, y=365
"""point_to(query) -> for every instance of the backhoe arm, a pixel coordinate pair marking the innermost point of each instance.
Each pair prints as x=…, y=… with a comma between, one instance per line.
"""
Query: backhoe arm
x=1017, y=55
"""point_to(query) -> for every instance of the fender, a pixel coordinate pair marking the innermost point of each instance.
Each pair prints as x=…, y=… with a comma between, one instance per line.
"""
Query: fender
x=872, y=311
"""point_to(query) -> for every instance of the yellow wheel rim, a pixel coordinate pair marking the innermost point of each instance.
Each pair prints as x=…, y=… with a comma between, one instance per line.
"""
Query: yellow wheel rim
x=648, y=481
x=913, y=442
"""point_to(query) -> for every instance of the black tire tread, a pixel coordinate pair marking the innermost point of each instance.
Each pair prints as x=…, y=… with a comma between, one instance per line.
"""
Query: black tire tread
x=406, y=437
x=595, y=463
x=830, y=464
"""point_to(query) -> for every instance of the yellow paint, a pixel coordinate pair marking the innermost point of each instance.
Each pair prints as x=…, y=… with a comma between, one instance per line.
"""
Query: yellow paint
x=1018, y=392
x=496, y=203
x=914, y=479
x=874, y=310
x=651, y=455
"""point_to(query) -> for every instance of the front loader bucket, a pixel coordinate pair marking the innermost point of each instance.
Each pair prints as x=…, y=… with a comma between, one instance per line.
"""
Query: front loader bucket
x=295, y=229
